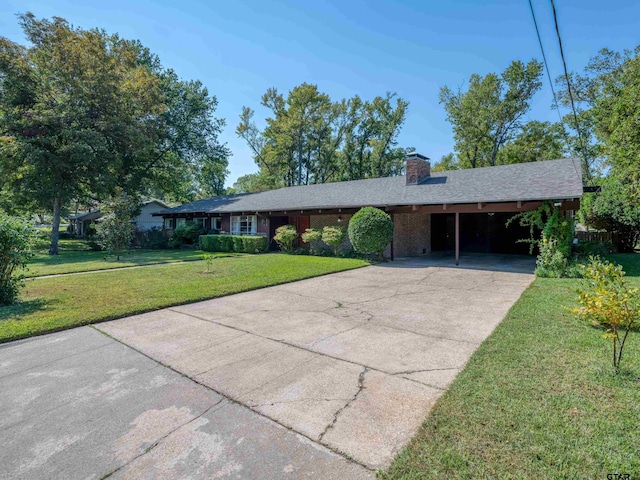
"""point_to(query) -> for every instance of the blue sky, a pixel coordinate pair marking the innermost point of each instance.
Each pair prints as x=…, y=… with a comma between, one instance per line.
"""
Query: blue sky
x=238, y=49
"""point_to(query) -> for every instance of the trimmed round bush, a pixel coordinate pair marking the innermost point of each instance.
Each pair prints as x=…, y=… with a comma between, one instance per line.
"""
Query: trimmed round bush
x=370, y=231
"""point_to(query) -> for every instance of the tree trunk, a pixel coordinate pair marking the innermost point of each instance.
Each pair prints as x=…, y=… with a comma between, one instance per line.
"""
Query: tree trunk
x=55, y=226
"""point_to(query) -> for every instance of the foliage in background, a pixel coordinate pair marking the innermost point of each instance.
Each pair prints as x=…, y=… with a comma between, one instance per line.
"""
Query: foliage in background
x=84, y=111
x=608, y=302
x=606, y=95
x=614, y=209
x=252, y=183
x=334, y=236
x=154, y=238
x=488, y=116
x=18, y=237
x=370, y=231
x=285, y=236
x=116, y=228
x=311, y=139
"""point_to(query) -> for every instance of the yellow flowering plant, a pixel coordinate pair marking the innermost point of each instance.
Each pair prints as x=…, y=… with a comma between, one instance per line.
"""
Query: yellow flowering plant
x=608, y=302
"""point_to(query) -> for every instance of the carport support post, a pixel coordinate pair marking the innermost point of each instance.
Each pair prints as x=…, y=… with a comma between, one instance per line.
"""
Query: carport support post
x=457, y=238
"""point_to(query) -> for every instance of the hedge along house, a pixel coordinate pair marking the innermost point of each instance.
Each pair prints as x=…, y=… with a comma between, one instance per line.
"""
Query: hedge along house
x=457, y=210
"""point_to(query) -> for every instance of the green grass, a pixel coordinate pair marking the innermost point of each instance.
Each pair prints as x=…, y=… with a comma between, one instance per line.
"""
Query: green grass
x=76, y=256
x=50, y=304
x=71, y=261
x=539, y=399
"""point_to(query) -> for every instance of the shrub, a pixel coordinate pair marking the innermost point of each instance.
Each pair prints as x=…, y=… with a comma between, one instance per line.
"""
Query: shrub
x=334, y=236
x=153, y=238
x=608, y=302
x=285, y=236
x=552, y=262
x=216, y=243
x=370, y=231
x=234, y=243
x=595, y=249
x=312, y=235
x=94, y=244
x=17, y=239
x=184, y=235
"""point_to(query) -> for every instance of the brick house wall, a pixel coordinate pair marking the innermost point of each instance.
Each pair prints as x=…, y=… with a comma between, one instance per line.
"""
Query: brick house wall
x=412, y=234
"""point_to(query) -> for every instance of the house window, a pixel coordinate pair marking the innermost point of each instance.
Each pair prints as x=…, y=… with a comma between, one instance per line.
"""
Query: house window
x=168, y=223
x=244, y=225
x=216, y=223
x=199, y=222
x=181, y=222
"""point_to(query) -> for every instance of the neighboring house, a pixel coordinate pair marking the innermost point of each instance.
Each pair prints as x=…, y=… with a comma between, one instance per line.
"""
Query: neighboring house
x=432, y=211
x=145, y=220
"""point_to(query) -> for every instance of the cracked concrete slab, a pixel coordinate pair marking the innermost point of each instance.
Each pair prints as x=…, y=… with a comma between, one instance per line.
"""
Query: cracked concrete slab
x=439, y=378
x=231, y=443
x=394, y=350
x=381, y=419
x=306, y=398
x=296, y=352
x=89, y=407
x=297, y=328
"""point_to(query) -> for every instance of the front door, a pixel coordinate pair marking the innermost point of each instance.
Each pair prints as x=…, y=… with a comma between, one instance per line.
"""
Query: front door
x=303, y=223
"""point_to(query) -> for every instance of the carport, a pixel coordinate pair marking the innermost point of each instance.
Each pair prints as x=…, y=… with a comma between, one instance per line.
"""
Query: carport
x=482, y=228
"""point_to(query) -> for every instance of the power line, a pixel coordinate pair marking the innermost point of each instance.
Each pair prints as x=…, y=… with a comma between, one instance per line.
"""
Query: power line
x=566, y=76
x=546, y=66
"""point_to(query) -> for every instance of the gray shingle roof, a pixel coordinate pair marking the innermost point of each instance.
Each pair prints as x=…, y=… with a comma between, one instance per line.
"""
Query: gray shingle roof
x=548, y=180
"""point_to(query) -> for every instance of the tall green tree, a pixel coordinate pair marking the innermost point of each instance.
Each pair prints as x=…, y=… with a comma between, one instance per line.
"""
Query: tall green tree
x=536, y=141
x=116, y=227
x=252, y=183
x=311, y=139
x=489, y=114
x=83, y=112
x=607, y=98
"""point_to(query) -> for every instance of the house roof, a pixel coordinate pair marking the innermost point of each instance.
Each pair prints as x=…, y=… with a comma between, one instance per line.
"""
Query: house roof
x=92, y=215
x=154, y=200
x=547, y=180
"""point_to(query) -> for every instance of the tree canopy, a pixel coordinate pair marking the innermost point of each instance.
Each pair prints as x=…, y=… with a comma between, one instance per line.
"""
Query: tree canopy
x=311, y=139
x=489, y=114
x=83, y=112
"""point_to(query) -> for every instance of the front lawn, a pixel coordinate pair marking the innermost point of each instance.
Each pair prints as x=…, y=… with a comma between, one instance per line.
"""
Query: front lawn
x=50, y=304
x=539, y=399
x=71, y=261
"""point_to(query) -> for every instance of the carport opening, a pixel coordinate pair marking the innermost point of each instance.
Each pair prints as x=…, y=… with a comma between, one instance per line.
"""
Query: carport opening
x=479, y=233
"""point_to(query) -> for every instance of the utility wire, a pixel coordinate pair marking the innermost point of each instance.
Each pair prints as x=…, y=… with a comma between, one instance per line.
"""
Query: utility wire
x=546, y=66
x=566, y=76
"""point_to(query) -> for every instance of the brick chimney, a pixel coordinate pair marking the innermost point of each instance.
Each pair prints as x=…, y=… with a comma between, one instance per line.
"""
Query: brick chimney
x=418, y=168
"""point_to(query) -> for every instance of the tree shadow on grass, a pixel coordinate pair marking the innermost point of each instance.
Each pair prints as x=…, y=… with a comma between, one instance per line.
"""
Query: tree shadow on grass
x=21, y=309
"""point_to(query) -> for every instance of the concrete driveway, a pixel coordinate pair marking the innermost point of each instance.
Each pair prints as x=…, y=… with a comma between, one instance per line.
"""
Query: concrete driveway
x=273, y=383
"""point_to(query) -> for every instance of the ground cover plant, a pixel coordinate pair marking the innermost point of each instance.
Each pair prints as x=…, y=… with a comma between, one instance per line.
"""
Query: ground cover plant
x=56, y=303
x=538, y=399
